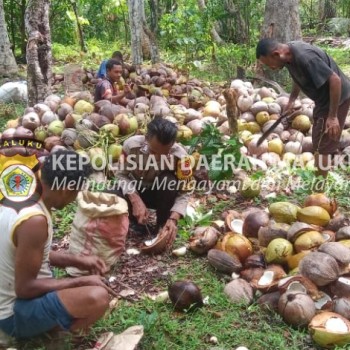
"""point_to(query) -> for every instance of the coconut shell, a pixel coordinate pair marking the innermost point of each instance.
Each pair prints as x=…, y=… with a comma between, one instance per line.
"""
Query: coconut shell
x=343, y=233
x=270, y=300
x=314, y=215
x=320, y=268
x=203, y=239
x=253, y=222
x=252, y=273
x=185, y=295
x=337, y=251
x=341, y=287
x=321, y=200
x=297, y=309
x=239, y=291
x=299, y=283
x=163, y=243
x=272, y=274
x=224, y=262
x=342, y=307
x=274, y=230
x=297, y=229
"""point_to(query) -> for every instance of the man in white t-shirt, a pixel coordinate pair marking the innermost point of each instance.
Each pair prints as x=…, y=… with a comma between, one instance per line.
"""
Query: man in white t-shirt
x=31, y=300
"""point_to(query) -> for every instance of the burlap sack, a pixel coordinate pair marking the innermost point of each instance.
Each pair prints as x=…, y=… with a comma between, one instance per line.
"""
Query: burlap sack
x=99, y=228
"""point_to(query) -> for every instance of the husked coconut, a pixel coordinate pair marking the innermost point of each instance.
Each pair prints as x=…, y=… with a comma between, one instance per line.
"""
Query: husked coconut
x=337, y=251
x=320, y=268
x=297, y=309
x=239, y=291
x=342, y=307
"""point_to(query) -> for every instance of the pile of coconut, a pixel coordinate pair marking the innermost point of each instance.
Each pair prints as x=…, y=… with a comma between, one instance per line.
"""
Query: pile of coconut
x=296, y=260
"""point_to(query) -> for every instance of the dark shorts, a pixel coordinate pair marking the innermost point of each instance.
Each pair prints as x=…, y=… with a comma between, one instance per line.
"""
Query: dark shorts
x=321, y=141
x=36, y=316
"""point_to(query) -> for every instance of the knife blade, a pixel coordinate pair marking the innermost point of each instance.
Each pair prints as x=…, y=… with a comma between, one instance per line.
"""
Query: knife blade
x=285, y=115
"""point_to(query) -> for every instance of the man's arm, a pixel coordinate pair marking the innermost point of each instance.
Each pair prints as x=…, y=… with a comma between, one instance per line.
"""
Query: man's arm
x=90, y=263
x=334, y=95
x=30, y=238
x=293, y=96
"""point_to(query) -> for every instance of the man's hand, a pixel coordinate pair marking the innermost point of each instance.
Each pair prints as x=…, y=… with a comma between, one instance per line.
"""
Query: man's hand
x=93, y=264
x=333, y=128
x=139, y=209
x=171, y=228
x=96, y=280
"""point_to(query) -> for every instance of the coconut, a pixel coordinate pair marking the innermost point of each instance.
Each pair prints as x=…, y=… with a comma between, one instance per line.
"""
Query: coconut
x=278, y=250
x=52, y=141
x=196, y=126
x=276, y=146
x=41, y=133
x=63, y=110
x=273, y=230
x=262, y=117
x=244, y=102
x=297, y=309
x=270, y=300
x=337, y=251
x=203, y=239
x=293, y=147
x=224, y=262
x=297, y=229
x=308, y=241
x=248, y=117
x=268, y=281
x=313, y=215
x=254, y=221
x=110, y=129
x=342, y=307
x=234, y=225
x=329, y=329
x=278, y=130
x=185, y=295
x=341, y=288
x=236, y=245
x=23, y=133
x=114, y=151
x=8, y=133
x=48, y=117
x=283, y=212
x=239, y=291
x=54, y=98
x=56, y=128
x=69, y=136
x=250, y=188
x=82, y=107
x=294, y=260
x=307, y=144
x=321, y=200
x=212, y=108
x=301, y=123
x=259, y=106
x=184, y=133
x=256, y=150
x=270, y=158
x=252, y=273
x=255, y=260
x=342, y=233
x=320, y=268
x=31, y=121
x=299, y=284
x=41, y=108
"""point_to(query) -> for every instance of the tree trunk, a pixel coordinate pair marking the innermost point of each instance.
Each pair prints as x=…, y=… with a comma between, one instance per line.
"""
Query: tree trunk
x=327, y=9
x=282, y=23
x=213, y=32
x=23, y=29
x=153, y=6
x=8, y=65
x=282, y=20
x=152, y=41
x=136, y=19
x=38, y=50
x=80, y=29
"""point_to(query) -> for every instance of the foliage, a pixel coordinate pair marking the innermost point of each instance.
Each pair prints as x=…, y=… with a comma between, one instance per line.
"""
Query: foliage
x=222, y=155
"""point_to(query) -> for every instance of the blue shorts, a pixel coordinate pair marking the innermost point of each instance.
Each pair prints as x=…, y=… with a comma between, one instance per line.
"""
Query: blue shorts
x=36, y=316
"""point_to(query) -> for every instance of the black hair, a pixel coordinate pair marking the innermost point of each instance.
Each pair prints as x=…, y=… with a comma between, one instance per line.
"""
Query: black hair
x=164, y=130
x=265, y=47
x=112, y=62
x=65, y=169
x=117, y=55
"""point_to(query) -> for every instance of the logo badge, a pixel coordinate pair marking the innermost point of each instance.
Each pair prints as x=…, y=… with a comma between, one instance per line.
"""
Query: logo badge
x=19, y=186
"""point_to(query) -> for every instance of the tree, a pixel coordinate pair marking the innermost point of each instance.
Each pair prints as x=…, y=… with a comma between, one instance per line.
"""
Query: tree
x=136, y=19
x=8, y=65
x=38, y=50
x=281, y=22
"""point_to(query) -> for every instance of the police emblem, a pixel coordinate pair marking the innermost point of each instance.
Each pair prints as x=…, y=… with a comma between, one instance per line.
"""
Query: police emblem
x=19, y=186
